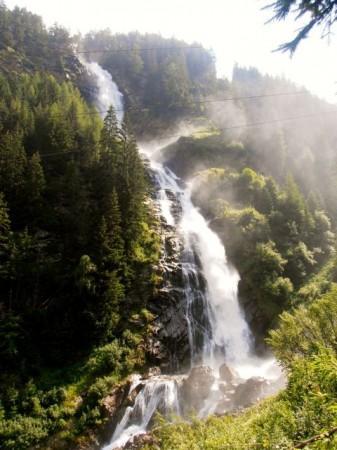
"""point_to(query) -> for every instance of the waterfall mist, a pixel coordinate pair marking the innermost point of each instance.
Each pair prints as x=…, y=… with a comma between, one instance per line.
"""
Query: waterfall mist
x=218, y=332
x=225, y=333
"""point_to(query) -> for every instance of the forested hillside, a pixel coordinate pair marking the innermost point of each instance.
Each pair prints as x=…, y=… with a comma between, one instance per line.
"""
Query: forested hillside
x=263, y=173
x=81, y=240
x=77, y=239
x=26, y=45
x=161, y=78
x=268, y=189
x=275, y=237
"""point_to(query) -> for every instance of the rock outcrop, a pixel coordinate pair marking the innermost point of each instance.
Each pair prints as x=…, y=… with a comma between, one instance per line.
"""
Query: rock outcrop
x=196, y=388
x=168, y=347
x=226, y=373
x=248, y=392
x=140, y=441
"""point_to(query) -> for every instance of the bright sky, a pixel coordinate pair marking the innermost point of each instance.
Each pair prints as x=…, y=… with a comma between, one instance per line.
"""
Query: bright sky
x=234, y=29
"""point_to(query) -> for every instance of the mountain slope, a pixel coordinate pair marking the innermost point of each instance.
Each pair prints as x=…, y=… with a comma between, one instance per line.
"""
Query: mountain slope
x=80, y=242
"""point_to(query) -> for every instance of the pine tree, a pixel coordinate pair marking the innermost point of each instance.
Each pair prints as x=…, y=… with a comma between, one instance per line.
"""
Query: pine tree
x=5, y=230
x=111, y=157
x=35, y=183
x=110, y=132
x=132, y=187
x=13, y=163
x=112, y=268
x=313, y=13
x=295, y=203
x=109, y=313
x=110, y=235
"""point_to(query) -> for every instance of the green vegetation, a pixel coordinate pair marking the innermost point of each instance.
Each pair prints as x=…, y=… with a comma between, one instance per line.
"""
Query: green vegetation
x=163, y=79
x=319, y=13
x=206, y=149
x=75, y=228
x=77, y=245
x=305, y=344
x=275, y=237
x=66, y=403
x=26, y=45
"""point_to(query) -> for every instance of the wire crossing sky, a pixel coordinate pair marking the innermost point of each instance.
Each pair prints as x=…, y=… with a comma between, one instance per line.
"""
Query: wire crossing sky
x=235, y=30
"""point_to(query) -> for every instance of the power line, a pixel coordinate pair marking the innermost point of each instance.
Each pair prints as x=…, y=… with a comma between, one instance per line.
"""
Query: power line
x=201, y=102
x=75, y=52
x=258, y=124
x=249, y=125
x=140, y=49
x=197, y=102
x=222, y=100
x=261, y=123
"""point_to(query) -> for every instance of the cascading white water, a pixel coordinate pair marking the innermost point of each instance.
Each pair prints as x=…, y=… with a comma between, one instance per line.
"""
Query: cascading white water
x=217, y=328
x=224, y=333
x=108, y=93
x=158, y=395
x=229, y=333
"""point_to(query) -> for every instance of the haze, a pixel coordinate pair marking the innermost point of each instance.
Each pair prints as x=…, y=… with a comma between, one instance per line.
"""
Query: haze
x=235, y=30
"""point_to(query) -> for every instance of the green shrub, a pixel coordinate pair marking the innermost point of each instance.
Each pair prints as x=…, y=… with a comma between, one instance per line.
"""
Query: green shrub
x=99, y=389
x=22, y=432
x=106, y=359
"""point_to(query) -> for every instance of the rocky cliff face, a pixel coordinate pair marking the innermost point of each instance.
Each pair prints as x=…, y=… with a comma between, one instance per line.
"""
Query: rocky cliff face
x=168, y=347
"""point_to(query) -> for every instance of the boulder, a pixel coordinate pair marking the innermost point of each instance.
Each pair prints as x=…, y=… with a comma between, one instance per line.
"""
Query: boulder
x=226, y=374
x=248, y=392
x=152, y=372
x=112, y=402
x=140, y=441
x=197, y=387
x=130, y=400
x=223, y=406
x=227, y=388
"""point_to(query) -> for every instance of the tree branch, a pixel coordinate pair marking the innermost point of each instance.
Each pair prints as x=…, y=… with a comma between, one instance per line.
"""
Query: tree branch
x=317, y=437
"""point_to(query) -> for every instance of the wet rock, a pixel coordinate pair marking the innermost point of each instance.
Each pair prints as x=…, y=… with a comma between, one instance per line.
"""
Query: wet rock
x=130, y=400
x=152, y=372
x=140, y=441
x=226, y=373
x=224, y=405
x=197, y=387
x=172, y=245
x=155, y=349
x=248, y=392
x=227, y=388
x=168, y=345
x=112, y=402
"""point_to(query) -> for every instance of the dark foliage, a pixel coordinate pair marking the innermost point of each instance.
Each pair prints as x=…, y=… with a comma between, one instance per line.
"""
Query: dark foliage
x=162, y=79
x=322, y=13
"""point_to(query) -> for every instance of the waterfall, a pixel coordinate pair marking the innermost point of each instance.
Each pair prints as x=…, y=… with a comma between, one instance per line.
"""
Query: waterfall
x=158, y=395
x=217, y=329
x=107, y=90
x=228, y=336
